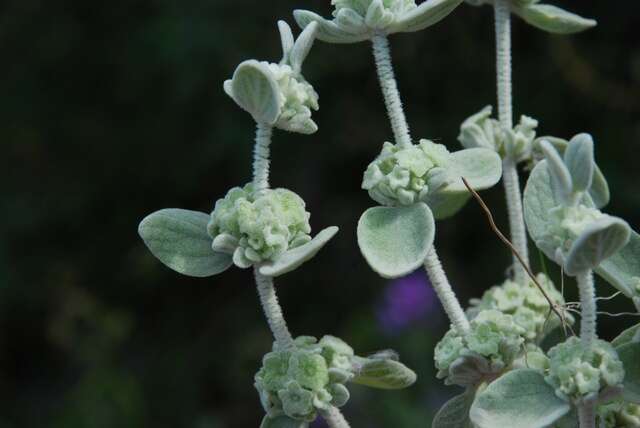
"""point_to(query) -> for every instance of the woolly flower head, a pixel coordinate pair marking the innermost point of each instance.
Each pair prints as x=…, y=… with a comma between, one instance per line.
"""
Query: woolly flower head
x=404, y=175
x=577, y=372
x=568, y=222
x=299, y=381
x=257, y=228
x=361, y=7
x=616, y=415
x=527, y=305
x=491, y=345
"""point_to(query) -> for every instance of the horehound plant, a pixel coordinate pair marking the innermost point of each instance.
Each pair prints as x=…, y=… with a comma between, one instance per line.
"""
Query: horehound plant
x=498, y=348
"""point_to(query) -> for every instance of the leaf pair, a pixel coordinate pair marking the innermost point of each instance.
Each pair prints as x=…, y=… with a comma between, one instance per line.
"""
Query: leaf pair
x=179, y=239
x=351, y=26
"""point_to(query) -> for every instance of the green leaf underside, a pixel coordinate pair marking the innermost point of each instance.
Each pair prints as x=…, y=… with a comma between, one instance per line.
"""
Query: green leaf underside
x=629, y=354
x=455, y=412
x=282, y=422
x=385, y=374
x=328, y=31
x=602, y=239
x=625, y=337
x=518, y=399
x=179, y=239
x=395, y=240
x=256, y=91
x=444, y=205
x=482, y=168
x=293, y=258
x=553, y=19
x=622, y=270
x=425, y=15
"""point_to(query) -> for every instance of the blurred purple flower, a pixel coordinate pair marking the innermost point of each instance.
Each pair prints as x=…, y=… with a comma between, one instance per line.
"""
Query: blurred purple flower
x=406, y=300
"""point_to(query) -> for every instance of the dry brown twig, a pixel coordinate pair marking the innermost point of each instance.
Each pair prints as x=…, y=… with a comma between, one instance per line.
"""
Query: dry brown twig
x=552, y=305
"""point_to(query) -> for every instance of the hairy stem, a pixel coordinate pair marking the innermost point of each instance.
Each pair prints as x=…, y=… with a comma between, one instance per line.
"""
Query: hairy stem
x=587, y=414
x=382, y=55
x=261, y=158
x=588, y=308
x=334, y=418
x=445, y=293
x=272, y=310
x=505, y=114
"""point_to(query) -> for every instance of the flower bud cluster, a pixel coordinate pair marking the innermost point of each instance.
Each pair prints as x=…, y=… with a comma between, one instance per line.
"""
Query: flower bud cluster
x=492, y=344
x=616, y=415
x=257, y=228
x=308, y=377
x=404, y=175
x=366, y=12
x=527, y=305
x=577, y=372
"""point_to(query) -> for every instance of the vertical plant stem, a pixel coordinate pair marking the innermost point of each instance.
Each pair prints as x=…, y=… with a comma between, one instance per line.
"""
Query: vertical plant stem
x=445, y=293
x=505, y=114
x=272, y=310
x=587, y=414
x=266, y=290
x=588, y=308
x=334, y=418
x=382, y=55
x=261, y=153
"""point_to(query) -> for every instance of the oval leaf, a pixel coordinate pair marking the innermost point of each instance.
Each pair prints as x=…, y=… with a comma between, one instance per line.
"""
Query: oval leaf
x=282, y=422
x=481, y=167
x=302, y=46
x=384, y=374
x=455, y=412
x=328, y=31
x=518, y=399
x=396, y=240
x=256, y=91
x=286, y=37
x=293, y=258
x=600, y=240
x=626, y=336
x=630, y=356
x=179, y=239
x=622, y=270
x=579, y=159
x=425, y=15
x=560, y=177
x=553, y=19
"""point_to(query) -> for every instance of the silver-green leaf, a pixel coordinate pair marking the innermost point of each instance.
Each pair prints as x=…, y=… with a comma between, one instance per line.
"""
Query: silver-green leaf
x=282, y=422
x=630, y=356
x=455, y=412
x=328, y=31
x=599, y=241
x=287, y=40
x=579, y=159
x=518, y=399
x=254, y=88
x=396, y=240
x=482, y=168
x=179, y=239
x=384, y=374
x=302, y=46
x=553, y=19
x=293, y=258
x=560, y=176
x=425, y=15
x=622, y=270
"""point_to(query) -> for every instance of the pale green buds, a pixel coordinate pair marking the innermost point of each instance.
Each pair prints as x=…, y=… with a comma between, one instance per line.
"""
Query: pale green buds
x=492, y=344
x=617, y=414
x=481, y=130
x=297, y=382
x=545, y=16
x=358, y=20
x=278, y=94
x=258, y=228
x=527, y=305
x=577, y=372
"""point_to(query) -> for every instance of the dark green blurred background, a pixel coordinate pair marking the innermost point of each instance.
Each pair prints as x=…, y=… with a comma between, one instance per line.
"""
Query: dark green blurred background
x=110, y=110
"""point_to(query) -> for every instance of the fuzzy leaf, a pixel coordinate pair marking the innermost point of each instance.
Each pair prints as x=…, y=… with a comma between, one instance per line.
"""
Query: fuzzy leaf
x=630, y=356
x=599, y=241
x=282, y=422
x=518, y=399
x=384, y=374
x=560, y=176
x=328, y=31
x=396, y=240
x=302, y=46
x=626, y=336
x=425, y=15
x=622, y=270
x=293, y=258
x=455, y=412
x=444, y=205
x=256, y=91
x=482, y=168
x=377, y=16
x=179, y=239
x=553, y=19
x=286, y=38
x=579, y=159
